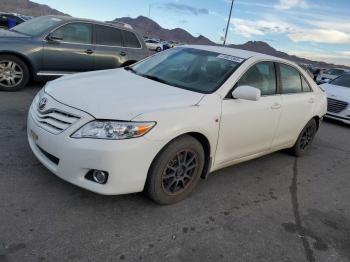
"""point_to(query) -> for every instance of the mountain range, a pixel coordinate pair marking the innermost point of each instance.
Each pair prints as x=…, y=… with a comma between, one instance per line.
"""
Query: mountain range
x=26, y=7
x=150, y=28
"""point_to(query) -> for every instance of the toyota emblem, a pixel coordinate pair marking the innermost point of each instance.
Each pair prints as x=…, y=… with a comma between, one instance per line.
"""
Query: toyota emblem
x=42, y=103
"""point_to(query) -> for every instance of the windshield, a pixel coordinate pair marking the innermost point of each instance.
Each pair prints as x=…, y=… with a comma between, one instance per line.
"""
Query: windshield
x=343, y=80
x=336, y=72
x=188, y=68
x=37, y=26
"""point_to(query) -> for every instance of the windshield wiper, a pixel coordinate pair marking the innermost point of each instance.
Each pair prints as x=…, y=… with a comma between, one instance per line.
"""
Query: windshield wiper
x=129, y=68
x=155, y=78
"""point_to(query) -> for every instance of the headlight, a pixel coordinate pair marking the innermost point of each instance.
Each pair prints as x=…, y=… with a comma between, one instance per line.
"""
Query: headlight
x=113, y=130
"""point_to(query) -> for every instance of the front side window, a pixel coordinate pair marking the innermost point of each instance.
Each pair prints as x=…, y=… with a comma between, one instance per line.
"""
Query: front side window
x=130, y=40
x=343, y=80
x=79, y=33
x=108, y=36
x=188, y=68
x=261, y=76
x=290, y=80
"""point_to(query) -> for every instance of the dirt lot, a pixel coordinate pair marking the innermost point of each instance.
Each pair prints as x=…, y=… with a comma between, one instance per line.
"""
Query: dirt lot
x=275, y=208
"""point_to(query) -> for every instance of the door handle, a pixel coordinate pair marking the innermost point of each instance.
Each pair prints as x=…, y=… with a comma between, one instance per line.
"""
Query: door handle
x=276, y=106
x=311, y=101
x=123, y=53
x=89, y=52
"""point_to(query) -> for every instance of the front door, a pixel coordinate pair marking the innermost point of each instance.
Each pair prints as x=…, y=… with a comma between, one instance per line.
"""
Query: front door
x=69, y=49
x=248, y=127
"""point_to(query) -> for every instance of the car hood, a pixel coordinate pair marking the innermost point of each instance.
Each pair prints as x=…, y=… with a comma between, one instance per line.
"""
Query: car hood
x=8, y=35
x=118, y=94
x=335, y=92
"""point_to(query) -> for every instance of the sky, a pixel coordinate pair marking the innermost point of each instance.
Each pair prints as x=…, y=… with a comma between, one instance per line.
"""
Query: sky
x=315, y=29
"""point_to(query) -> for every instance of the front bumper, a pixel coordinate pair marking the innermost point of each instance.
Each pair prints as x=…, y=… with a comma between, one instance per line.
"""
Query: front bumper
x=340, y=117
x=126, y=161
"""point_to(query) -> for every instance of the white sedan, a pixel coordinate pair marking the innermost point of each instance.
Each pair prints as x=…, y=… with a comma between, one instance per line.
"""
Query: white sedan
x=154, y=45
x=338, y=93
x=165, y=122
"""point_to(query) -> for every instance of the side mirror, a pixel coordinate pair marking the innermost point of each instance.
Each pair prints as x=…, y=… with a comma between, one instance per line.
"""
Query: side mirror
x=54, y=38
x=246, y=93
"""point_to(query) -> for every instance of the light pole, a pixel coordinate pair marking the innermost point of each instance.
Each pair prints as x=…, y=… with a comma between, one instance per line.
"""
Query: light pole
x=228, y=23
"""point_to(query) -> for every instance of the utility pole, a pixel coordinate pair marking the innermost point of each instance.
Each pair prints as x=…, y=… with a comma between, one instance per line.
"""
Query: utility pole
x=149, y=11
x=228, y=23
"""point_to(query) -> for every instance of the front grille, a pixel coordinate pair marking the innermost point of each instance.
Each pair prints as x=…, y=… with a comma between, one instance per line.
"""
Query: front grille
x=54, y=120
x=336, y=106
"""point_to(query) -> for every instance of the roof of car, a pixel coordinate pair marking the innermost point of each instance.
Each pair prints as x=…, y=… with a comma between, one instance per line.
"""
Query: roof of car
x=237, y=52
x=70, y=18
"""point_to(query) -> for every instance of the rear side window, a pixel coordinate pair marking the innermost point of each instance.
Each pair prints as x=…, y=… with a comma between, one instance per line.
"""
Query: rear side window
x=75, y=33
x=290, y=80
x=305, y=85
x=130, y=40
x=261, y=76
x=108, y=36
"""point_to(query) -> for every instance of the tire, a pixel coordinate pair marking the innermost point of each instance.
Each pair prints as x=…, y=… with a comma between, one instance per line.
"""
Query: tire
x=167, y=181
x=305, y=139
x=14, y=73
x=158, y=49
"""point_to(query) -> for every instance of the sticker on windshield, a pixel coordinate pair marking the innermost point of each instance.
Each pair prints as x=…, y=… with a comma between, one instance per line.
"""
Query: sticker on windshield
x=231, y=58
x=56, y=19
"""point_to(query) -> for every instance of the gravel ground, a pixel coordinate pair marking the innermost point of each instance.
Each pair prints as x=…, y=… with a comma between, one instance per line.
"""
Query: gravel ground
x=275, y=208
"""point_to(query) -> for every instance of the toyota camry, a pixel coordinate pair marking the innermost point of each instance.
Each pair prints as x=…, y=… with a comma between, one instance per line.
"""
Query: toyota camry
x=165, y=122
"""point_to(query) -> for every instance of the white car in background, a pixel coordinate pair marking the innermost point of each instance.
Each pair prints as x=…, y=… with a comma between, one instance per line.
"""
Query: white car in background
x=165, y=122
x=154, y=45
x=338, y=93
x=330, y=74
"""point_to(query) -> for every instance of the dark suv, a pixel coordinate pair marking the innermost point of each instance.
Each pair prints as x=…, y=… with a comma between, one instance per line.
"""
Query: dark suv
x=58, y=45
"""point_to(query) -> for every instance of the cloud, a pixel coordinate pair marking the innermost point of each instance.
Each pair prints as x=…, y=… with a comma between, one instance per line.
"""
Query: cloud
x=288, y=4
x=177, y=7
x=183, y=21
x=336, y=58
x=249, y=28
x=329, y=36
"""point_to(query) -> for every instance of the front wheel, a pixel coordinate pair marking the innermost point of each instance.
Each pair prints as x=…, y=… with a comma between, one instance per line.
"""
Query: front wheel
x=176, y=171
x=158, y=49
x=305, y=139
x=14, y=73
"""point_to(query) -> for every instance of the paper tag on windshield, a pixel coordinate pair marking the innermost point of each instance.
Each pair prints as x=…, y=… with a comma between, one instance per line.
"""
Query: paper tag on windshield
x=231, y=58
x=56, y=19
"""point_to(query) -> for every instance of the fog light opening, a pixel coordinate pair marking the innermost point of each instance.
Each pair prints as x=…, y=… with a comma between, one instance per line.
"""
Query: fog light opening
x=97, y=176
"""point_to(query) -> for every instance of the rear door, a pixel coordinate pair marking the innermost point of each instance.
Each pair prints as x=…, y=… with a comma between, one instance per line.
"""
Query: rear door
x=248, y=127
x=70, y=50
x=135, y=50
x=298, y=101
x=109, y=49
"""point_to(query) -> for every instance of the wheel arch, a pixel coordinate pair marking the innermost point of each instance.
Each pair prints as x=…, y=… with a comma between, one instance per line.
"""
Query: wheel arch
x=23, y=58
x=203, y=140
x=317, y=119
x=128, y=63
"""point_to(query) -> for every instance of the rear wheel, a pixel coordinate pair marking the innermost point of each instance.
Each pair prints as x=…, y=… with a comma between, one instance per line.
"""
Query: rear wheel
x=158, y=49
x=305, y=139
x=176, y=171
x=14, y=73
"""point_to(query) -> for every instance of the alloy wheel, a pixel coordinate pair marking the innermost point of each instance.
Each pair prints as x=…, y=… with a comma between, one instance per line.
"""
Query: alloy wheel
x=179, y=172
x=307, y=137
x=11, y=74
